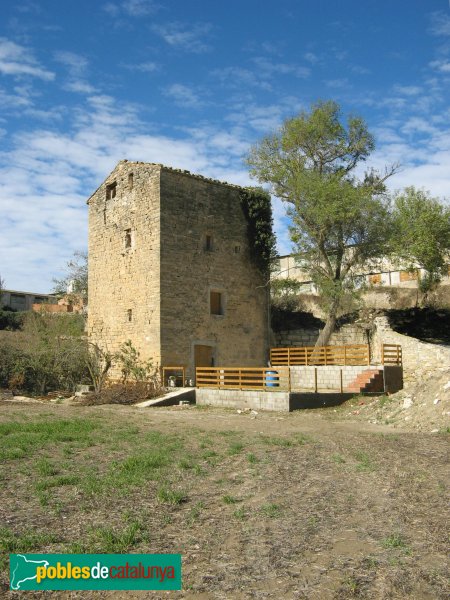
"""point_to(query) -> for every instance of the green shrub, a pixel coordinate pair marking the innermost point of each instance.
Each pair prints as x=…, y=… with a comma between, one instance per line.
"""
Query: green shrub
x=48, y=354
x=10, y=319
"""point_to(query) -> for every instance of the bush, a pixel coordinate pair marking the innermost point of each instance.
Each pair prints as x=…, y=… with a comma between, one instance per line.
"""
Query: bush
x=48, y=354
x=10, y=319
x=129, y=392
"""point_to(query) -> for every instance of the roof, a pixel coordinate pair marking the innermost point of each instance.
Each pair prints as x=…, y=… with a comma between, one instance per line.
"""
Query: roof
x=27, y=293
x=173, y=170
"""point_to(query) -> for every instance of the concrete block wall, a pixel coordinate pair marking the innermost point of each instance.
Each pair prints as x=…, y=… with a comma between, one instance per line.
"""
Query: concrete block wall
x=327, y=377
x=257, y=400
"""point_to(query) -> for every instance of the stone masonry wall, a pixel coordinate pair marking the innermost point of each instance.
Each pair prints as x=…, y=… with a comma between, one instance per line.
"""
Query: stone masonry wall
x=191, y=209
x=151, y=272
x=420, y=359
x=123, y=279
x=347, y=334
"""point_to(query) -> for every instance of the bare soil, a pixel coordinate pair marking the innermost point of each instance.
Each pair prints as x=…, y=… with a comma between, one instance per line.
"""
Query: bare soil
x=301, y=506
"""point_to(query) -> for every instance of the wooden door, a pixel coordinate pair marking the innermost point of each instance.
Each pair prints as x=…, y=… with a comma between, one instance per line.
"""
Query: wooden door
x=203, y=355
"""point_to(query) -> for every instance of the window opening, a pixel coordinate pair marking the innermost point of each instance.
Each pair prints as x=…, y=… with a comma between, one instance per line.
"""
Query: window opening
x=111, y=191
x=216, y=303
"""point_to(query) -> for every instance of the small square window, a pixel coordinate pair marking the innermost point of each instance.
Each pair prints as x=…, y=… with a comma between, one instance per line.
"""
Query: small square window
x=237, y=249
x=128, y=238
x=216, y=303
x=111, y=191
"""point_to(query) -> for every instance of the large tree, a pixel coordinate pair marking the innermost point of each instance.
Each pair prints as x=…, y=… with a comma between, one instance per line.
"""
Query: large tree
x=422, y=235
x=339, y=221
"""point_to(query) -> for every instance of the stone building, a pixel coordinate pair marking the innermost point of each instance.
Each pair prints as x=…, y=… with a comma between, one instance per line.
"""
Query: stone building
x=170, y=269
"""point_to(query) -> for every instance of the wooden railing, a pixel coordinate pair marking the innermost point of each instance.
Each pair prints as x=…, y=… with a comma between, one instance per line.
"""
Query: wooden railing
x=391, y=354
x=266, y=379
x=354, y=354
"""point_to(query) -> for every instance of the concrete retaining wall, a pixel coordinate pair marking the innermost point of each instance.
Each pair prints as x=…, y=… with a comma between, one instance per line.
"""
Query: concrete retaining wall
x=278, y=401
x=328, y=378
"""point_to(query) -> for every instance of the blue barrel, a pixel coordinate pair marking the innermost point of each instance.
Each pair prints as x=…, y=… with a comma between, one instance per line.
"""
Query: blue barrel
x=272, y=379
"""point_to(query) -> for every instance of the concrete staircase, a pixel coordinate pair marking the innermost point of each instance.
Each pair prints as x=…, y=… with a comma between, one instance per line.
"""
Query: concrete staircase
x=369, y=381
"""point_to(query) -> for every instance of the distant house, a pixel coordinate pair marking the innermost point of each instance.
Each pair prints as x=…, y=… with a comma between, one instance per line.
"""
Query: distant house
x=25, y=300
x=386, y=273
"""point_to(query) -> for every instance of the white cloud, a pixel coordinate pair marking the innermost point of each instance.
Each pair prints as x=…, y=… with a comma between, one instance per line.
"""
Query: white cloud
x=311, y=58
x=183, y=95
x=360, y=70
x=184, y=36
x=407, y=90
x=77, y=66
x=18, y=61
x=236, y=77
x=132, y=8
x=269, y=68
x=440, y=24
x=441, y=65
x=144, y=67
x=79, y=86
x=338, y=83
x=76, y=63
x=138, y=8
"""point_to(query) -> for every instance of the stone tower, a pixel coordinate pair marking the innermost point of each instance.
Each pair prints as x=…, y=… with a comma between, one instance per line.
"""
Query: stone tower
x=170, y=269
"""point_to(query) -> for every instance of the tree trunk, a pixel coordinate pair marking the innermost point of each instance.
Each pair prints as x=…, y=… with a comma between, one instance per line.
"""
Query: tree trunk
x=330, y=324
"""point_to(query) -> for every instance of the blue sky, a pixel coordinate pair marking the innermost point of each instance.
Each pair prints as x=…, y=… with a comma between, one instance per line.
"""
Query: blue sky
x=192, y=85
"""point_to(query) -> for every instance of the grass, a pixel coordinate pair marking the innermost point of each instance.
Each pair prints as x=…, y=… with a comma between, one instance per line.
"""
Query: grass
x=224, y=496
x=240, y=513
x=271, y=510
x=20, y=440
x=168, y=496
x=112, y=541
x=59, y=481
x=338, y=459
x=230, y=499
x=194, y=513
x=235, y=448
x=277, y=441
x=13, y=543
x=365, y=463
x=396, y=541
x=45, y=468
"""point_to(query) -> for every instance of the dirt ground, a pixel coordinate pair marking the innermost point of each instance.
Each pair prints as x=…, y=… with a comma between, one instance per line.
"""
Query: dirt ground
x=306, y=505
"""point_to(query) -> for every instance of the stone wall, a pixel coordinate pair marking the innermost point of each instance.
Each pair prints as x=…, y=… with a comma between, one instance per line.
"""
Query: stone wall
x=348, y=334
x=124, y=275
x=420, y=359
x=160, y=240
x=192, y=209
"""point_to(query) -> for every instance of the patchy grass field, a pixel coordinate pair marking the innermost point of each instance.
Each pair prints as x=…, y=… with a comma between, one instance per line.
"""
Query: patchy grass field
x=277, y=506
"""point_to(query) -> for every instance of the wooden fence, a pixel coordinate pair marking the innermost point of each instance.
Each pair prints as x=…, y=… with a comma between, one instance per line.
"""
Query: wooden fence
x=391, y=354
x=354, y=354
x=265, y=379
